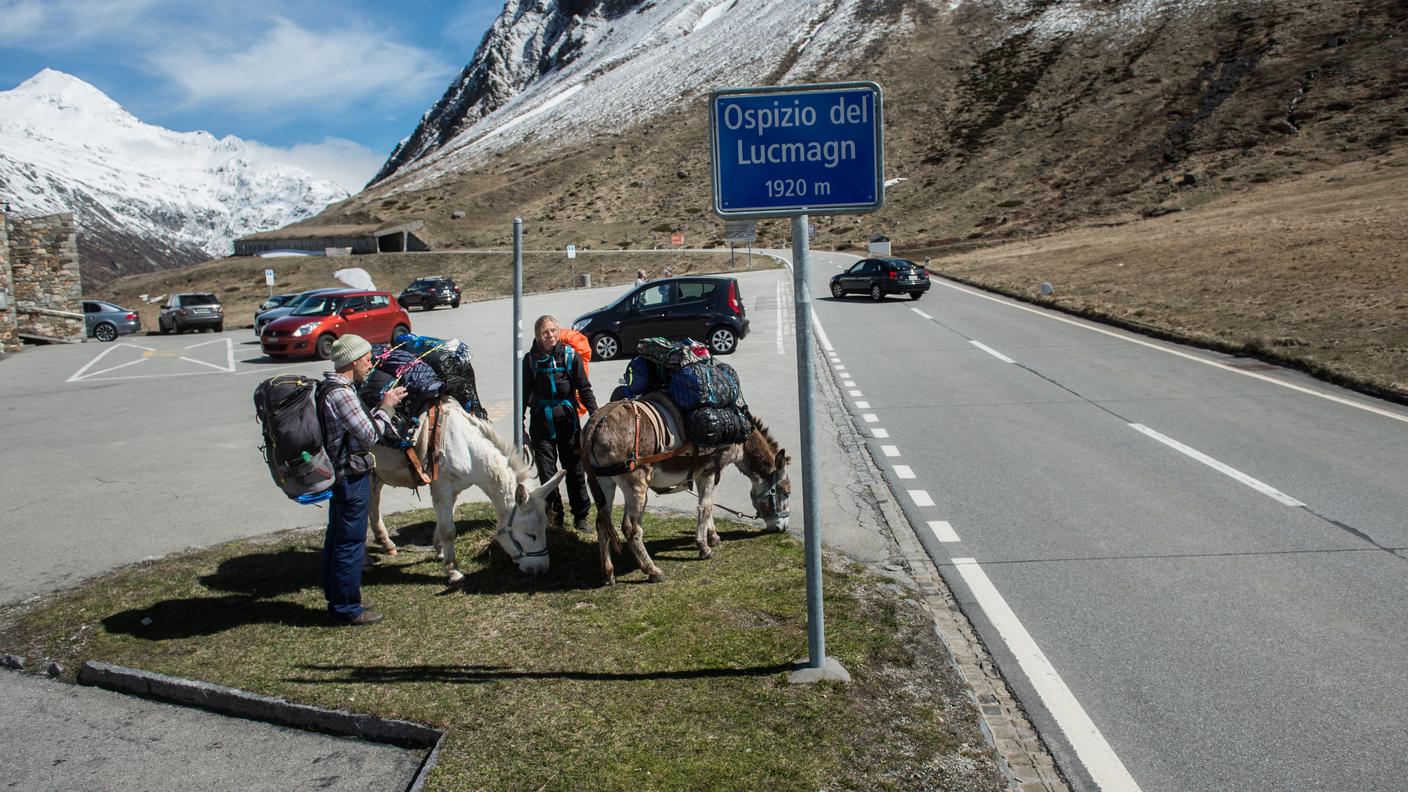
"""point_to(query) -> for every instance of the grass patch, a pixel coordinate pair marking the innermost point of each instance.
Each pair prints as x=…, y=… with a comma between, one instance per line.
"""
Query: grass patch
x=557, y=683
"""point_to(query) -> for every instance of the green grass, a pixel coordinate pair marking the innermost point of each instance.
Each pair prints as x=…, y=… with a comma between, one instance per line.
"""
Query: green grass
x=557, y=682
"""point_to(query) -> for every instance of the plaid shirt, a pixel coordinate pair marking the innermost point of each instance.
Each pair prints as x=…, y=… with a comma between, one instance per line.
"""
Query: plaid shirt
x=347, y=428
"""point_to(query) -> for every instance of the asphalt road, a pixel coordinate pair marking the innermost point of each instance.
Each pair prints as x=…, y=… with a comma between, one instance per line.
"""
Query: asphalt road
x=148, y=445
x=1190, y=567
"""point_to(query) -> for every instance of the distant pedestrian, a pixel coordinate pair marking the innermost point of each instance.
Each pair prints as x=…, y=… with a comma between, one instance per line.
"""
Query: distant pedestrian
x=667, y=273
x=640, y=277
x=349, y=432
x=926, y=263
x=556, y=381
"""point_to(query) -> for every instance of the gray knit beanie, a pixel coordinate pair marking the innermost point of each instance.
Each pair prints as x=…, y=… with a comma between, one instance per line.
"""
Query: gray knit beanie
x=346, y=350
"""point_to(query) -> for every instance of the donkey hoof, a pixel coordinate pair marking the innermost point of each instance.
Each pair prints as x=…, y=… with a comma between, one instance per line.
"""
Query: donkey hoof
x=456, y=577
x=713, y=540
x=656, y=576
x=705, y=552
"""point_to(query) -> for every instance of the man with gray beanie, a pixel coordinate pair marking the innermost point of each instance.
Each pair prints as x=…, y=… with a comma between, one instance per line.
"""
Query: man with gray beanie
x=348, y=434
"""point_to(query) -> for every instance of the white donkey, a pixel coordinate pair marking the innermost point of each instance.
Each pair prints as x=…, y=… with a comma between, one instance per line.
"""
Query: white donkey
x=471, y=453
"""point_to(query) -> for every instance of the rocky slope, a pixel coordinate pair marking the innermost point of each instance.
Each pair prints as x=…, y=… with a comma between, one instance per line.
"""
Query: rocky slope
x=146, y=198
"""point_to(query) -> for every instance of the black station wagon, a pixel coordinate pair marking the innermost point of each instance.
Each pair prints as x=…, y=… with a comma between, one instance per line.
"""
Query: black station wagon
x=881, y=276
x=705, y=308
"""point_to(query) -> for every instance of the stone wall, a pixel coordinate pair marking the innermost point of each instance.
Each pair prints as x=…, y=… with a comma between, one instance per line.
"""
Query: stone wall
x=47, y=288
x=9, y=339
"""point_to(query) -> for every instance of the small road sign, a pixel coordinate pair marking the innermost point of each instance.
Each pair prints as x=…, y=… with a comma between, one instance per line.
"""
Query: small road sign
x=740, y=231
x=790, y=151
x=268, y=277
x=677, y=239
x=571, y=251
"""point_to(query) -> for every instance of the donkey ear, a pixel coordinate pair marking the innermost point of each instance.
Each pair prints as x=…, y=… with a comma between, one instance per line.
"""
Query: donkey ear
x=781, y=460
x=549, y=485
x=521, y=496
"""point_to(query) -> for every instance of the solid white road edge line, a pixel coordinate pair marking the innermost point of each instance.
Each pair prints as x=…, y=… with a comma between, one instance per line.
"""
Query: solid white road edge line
x=820, y=333
x=943, y=531
x=1226, y=470
x=1254, y=375
x=781, y=327
x=991, y=351
x=1095, y=753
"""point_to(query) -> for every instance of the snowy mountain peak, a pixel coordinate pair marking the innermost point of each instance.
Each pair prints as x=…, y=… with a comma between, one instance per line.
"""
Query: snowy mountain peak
x=145, y=197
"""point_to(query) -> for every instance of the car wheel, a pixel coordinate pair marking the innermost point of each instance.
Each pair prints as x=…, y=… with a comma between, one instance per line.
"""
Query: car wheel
x=722, y=340
x=915, y=295
x=105, y=331
x=176, y=327
x=455, y=304
x=837, y=291
x=875, y=293
x=161, y=327
x=399, y=331
x=220, y=328
x=325, y=346
x=605, y=347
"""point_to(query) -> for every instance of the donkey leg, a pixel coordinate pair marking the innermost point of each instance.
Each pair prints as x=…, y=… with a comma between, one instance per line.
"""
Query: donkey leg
x=606, y=540
x=444, y=499
x=705, y=537
x=635, y=532
x=378, y=526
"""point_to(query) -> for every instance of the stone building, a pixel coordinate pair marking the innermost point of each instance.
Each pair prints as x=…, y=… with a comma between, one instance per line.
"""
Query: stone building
x=40, y=280
x=400, y=238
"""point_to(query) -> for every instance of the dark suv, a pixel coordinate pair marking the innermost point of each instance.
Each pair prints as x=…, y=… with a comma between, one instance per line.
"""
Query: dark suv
x=881, y=276
x=705, y=308
x=426, y=293
x=197, y=311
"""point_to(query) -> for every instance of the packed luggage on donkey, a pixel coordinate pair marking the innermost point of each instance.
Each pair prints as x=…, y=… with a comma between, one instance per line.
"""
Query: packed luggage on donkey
x=430, y=368
x=706, y=391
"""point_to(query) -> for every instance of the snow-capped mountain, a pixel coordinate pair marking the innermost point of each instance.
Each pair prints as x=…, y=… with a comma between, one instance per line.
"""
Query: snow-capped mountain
x=145, y=197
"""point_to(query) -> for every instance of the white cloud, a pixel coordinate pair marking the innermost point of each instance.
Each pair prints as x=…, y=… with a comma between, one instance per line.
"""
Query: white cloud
x=58, y=24
x=305, y=71
x=348, y=164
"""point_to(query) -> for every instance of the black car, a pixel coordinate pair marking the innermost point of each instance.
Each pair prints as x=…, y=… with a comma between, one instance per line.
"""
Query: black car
x=195, y=311
x=881, y=276
x=703, y=308
x=426, y=293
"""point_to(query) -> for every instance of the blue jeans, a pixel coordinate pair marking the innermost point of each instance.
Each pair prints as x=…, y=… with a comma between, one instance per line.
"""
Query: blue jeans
x=345, y=546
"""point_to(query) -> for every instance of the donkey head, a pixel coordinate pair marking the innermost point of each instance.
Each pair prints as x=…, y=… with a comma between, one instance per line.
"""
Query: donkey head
x=772, y=492
x=524, y=536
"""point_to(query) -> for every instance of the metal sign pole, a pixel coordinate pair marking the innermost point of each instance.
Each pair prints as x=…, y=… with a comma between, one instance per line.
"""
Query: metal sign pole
x=517, y=332
x=819, y=666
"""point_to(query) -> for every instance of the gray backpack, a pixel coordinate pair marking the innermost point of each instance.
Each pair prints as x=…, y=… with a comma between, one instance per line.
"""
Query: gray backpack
x=287, y=407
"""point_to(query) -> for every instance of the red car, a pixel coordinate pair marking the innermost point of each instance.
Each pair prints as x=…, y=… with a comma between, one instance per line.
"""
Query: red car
x=321, y=319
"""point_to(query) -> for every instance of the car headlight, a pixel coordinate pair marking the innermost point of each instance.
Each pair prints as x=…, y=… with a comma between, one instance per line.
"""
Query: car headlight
x=304, y=329
x=581, y=324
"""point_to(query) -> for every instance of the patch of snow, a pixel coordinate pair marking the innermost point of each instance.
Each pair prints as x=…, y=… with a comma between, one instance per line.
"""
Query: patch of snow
x=892, y=182
x=711, y=16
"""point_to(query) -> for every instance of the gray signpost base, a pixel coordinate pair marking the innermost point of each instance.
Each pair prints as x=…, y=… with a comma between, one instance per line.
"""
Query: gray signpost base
x=819, y=666
x=517, y=332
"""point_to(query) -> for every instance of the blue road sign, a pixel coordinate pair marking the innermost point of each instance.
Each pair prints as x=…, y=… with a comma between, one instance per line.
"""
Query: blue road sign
x=806, y=149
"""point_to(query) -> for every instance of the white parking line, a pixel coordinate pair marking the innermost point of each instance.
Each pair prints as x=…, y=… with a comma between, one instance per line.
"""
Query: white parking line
x=992, y=352
x=1226, y=470
x=920, y=497
x=880, y=434
x=921, y=313
x=890, y=451
x=1254, y=375
x=1095, y=753
x=943, y=531
x=903, y=472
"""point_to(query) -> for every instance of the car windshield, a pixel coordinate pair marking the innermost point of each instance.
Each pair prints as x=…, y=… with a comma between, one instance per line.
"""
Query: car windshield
x=319, y=305
x=199, y=299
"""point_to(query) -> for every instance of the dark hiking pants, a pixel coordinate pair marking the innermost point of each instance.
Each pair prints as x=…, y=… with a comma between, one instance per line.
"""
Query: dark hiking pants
x=345, y=546
x=565, y=448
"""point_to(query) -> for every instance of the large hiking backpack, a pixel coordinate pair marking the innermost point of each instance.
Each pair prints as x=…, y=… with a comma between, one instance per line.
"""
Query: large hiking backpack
x=287, y=407
x=583, y=347
x=708, y=384
x=673, y=355
x=712, y=426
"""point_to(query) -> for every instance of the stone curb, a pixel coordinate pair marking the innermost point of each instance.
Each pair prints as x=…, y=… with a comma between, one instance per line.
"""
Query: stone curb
x=1021, y=754
x=243, y=704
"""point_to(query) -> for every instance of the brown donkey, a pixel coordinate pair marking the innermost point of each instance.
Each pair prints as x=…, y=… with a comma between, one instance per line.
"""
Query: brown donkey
x=629, y=444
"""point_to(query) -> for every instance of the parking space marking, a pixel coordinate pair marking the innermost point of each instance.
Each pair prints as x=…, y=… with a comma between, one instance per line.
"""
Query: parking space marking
x=921, y=313
x=151, y=353
x=1095, y=753
x=1224, y=469
x=943, y=531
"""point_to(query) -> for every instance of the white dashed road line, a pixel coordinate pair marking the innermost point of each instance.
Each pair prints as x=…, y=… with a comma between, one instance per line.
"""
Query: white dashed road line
x=880, y=434
x=943, y=531
x=1226, y=470
x=920, y=497
x=992, y=351
x=903, y=472
x=890, y=451
x=862, y=405
x=870, y=418
x=1095, y=753
x=921, y=313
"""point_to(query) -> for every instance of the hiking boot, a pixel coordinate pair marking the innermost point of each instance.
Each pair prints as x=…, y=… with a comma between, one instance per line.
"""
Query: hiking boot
x=366, y=603
x=583, y=525
x=364, y=618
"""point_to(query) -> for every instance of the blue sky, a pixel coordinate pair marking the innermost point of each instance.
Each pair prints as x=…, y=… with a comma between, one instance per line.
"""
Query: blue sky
x=338, y=82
